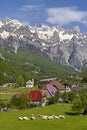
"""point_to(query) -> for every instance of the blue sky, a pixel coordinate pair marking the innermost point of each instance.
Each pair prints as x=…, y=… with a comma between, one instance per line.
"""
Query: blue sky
x=65, y=13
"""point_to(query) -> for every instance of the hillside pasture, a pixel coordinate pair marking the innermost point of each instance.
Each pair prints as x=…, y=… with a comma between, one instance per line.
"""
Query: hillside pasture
x=10, y=121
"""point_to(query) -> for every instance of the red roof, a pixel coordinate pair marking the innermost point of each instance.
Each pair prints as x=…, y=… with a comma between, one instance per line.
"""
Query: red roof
x=35, y=95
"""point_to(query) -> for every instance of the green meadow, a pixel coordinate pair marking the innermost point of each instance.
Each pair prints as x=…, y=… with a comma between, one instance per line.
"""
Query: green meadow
x=9, y=120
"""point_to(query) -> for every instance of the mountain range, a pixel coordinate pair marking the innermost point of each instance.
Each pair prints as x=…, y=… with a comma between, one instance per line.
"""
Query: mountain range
x=63, y=46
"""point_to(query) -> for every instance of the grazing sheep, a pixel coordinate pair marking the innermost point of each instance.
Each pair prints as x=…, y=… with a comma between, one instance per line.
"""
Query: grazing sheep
x=50, y=117
x=25, y=118
x=56, y=117
x=61, y=117
x=32, y=118
x=44, y=117
x=20, y=118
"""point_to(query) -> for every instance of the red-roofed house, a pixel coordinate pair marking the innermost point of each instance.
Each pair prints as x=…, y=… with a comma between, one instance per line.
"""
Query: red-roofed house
x=36, y=96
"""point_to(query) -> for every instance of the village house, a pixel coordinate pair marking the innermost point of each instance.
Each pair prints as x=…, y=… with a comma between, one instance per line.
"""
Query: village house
x=78, y=88
x=8, y=85
x=67, y=88
x=52, y=87
x=30, y=83
x=36, y=96
x=48, y=79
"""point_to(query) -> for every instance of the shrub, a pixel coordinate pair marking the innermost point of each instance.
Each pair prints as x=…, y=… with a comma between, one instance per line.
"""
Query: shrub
x=20, y=102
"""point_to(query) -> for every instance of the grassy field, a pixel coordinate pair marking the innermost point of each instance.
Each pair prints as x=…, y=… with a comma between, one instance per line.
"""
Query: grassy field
x=7, y=93
x=14, y=90
x=9, y=120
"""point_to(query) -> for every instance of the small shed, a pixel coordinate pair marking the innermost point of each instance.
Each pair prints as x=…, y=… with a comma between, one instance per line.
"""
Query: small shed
x=17, y=96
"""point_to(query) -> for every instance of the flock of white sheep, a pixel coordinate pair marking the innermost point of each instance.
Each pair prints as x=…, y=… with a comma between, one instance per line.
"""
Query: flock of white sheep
x=44, y=117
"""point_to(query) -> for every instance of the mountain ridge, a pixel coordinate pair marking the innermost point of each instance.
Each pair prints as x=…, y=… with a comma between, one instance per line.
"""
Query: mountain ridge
x=63, y=46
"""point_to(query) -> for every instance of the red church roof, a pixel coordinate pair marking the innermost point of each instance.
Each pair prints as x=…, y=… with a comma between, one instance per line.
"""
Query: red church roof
x=35, y=95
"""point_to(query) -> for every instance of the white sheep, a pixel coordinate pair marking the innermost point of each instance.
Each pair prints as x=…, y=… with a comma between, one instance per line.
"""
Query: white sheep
x=56, y=117
x=61, y=117
x=44, y=117
x=25, y=118
x=32, y=118
x=50, y=117
x=20, y=118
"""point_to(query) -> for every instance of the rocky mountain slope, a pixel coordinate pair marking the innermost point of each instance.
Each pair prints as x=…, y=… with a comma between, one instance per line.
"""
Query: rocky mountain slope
x=66, y=47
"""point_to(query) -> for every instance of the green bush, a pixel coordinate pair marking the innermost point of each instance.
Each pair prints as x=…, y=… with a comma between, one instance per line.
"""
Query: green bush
x=20, y=102
x=2, y=104
x=80, y=102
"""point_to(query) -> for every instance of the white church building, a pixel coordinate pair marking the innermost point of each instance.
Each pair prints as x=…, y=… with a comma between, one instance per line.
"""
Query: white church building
x=30, y=83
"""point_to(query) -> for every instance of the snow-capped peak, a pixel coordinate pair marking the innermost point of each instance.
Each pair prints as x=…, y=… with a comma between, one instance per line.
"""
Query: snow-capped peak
x=12, y=23
x=15, y=23
x=76, y=29
x=6, y=20
x=42, y=26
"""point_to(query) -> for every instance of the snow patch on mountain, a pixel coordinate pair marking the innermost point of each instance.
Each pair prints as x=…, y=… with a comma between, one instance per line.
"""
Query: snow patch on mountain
x=63, y=36
x=1, y=24
x=4, y=34
x=15, y=23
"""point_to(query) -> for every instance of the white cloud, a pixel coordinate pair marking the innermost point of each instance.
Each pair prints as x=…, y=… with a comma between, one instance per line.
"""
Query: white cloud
x=30, y=7
x=66, y=15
